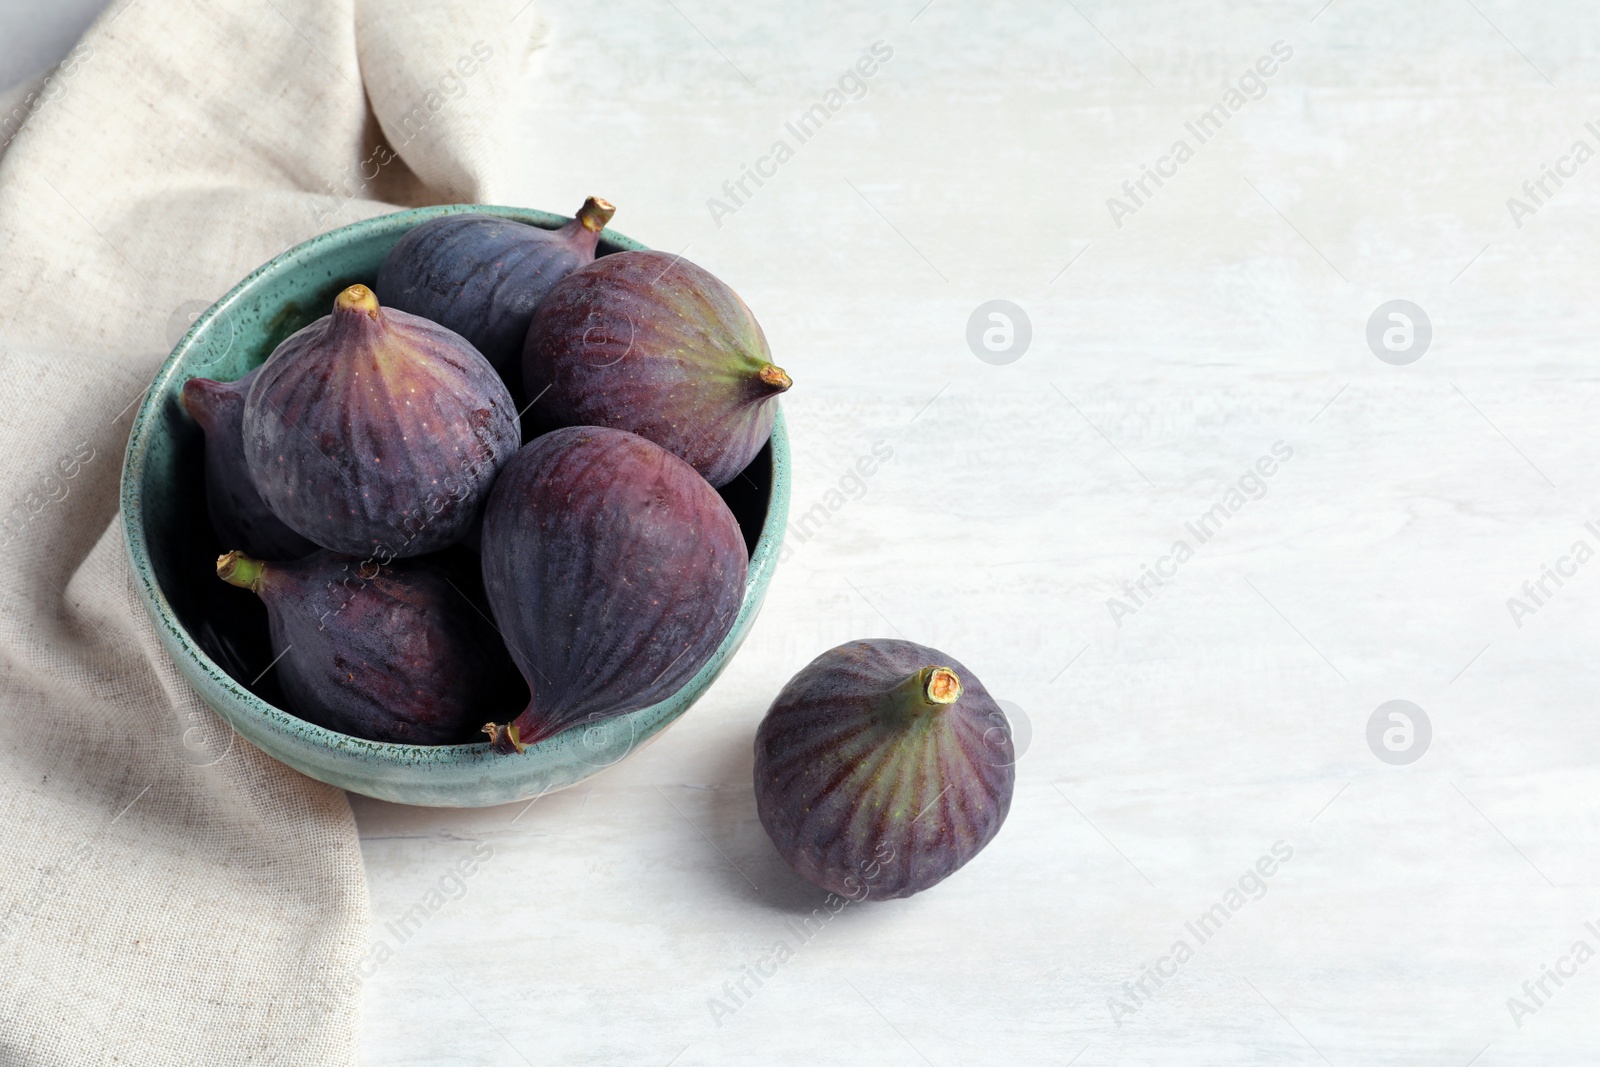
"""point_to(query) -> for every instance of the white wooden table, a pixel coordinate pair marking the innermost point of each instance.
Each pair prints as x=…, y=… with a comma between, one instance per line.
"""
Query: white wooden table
x=1226, y=716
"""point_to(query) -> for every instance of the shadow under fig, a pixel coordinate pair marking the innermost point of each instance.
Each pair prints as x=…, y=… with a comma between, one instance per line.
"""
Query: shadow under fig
x=732, y=822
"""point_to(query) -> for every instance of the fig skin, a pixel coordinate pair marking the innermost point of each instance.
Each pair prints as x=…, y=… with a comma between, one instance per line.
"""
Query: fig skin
x=882, y=768
x=377, y=433
x=483, y=276
x=652, y=344
x=395, y=652
x=238, y=514
x=613, y=570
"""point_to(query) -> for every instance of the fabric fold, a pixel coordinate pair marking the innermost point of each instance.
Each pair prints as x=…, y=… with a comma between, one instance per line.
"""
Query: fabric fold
x=168, y=894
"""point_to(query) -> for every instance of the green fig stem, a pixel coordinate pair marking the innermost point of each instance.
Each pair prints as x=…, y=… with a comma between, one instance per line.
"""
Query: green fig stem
x=357, y=298
x=595, y=213
x=774, y=377
x=505, y=739
x=930, y=687
x=238, y=569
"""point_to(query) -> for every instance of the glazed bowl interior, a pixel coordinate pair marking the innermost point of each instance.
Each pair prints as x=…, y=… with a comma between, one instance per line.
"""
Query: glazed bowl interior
x=217, y=634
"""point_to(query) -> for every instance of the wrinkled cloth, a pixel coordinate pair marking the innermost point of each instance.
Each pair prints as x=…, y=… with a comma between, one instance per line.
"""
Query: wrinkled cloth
x=168, y=894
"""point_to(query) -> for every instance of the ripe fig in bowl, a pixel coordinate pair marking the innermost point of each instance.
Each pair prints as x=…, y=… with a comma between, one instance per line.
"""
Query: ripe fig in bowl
x=375, y=432
x=389, y=652
x=882, y=768
x=218, y=636
x=483, y=276
x=237, y=512
x=652, y=344
x=614, y=572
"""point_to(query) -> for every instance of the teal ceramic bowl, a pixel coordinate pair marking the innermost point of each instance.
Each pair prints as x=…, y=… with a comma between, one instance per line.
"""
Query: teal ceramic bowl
x=219, y=641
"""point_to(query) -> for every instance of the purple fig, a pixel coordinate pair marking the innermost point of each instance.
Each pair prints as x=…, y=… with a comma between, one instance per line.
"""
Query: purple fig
x=238, y=513
x=614, y=572
x=482, y=276
x=393, y=652
x=377, y=433
x=882, y=768
x=651, y=343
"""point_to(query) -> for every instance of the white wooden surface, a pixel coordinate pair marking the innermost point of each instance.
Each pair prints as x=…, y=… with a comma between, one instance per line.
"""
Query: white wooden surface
x=1228, y=713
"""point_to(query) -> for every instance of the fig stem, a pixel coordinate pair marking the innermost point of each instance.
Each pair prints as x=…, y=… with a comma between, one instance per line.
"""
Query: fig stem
x=357, y=298
x=595, y=213
x=504, y=739
x=238, y=569
x=774, y=377
x=195, y=397
x=930, y=687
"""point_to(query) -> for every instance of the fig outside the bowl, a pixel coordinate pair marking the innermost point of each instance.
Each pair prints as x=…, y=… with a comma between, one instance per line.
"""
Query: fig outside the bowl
x=880, y=770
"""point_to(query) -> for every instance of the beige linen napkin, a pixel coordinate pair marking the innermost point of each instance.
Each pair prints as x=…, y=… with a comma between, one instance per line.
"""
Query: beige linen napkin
x=168, y=895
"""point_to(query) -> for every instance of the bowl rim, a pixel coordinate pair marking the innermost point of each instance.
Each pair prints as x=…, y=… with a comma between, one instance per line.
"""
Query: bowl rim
x=762, y=562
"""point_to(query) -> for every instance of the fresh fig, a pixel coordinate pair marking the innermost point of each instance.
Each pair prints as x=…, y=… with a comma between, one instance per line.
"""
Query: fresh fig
x=652, y=344
x=882, y=768
x=374, y=432
x=482, y=276
x=389, y=652
x=238, y=513
x=614, y=572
